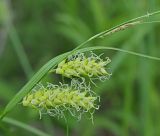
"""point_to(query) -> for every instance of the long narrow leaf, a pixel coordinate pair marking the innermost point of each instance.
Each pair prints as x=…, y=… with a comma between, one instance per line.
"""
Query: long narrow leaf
x=51, y=64
x=32, y=82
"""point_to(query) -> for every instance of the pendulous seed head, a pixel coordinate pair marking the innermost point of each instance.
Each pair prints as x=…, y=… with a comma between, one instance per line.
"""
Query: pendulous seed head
x=82, y=66
x=54, y=100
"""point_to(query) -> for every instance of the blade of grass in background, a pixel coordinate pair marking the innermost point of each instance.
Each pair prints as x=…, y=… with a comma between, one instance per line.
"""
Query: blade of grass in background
x=100, y=121
x=75, y=30
x=97, y=9
x=104, y=122
x=48, y=125
x=25, y=127
x=20, y=52
x=128, y=97
x=16, y=43
x=144, y=94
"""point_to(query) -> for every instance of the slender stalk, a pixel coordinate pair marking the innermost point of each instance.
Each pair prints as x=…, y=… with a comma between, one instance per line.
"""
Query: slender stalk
x=101, y=34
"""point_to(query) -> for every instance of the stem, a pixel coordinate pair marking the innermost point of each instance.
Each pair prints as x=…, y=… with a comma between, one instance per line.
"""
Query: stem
x=67, y=127
x=67, y=130
x=115, y=27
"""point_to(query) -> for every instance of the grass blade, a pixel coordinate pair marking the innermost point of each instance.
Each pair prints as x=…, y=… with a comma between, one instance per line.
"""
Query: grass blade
x=24, y=126
x=121, y=50
x=32, y=82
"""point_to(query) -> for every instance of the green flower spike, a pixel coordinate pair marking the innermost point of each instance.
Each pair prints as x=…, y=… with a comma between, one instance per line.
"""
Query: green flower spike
x=82, y=66
x=55, y=100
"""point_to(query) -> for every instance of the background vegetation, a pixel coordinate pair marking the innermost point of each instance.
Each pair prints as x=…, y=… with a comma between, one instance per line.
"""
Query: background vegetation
x=33, y=32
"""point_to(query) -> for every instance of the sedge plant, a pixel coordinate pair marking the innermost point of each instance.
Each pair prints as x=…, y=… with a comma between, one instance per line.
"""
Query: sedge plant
x=76, y=97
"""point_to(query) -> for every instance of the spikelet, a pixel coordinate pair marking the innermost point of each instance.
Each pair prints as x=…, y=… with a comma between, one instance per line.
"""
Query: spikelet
x=82, y=66
x=55, y=100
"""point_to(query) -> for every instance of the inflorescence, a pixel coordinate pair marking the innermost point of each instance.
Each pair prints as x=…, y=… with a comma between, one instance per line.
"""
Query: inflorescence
x=55, y=100
x=81, y=66
x=77, y=98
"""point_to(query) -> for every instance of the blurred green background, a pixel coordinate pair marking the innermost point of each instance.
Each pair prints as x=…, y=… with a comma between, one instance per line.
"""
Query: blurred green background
x=34, y=31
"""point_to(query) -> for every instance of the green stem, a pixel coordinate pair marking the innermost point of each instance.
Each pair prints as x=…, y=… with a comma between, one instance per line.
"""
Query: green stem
x=67, y=127
x=67, y=130
x=109, y=30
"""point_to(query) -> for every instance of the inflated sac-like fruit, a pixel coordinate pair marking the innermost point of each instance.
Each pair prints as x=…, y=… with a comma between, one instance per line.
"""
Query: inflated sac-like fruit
x=55, y=100
x=82, y=66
